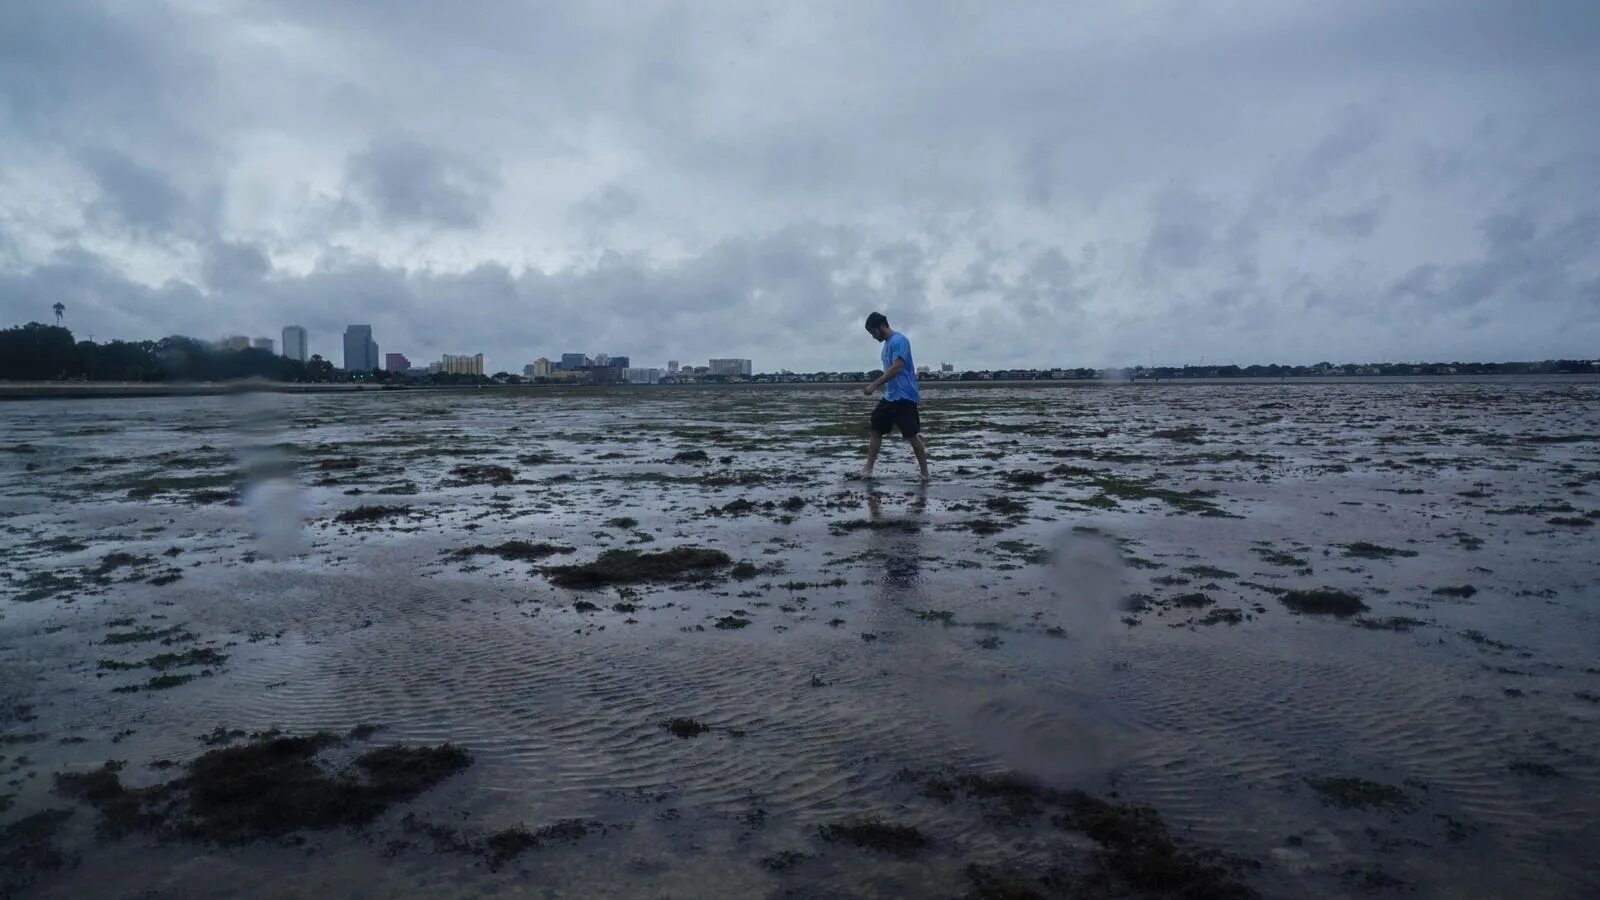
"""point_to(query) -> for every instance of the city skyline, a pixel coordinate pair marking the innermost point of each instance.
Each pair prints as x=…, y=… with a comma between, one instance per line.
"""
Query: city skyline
x=739, y=367
x=297, y=338
x=38, y=352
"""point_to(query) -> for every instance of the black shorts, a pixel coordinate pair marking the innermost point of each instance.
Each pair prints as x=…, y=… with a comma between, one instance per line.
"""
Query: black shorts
x=903, y=413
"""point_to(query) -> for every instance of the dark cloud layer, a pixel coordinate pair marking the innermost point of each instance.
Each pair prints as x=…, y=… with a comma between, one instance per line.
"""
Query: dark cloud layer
x=409, y=183
x=1039, y=184
x=133, y=197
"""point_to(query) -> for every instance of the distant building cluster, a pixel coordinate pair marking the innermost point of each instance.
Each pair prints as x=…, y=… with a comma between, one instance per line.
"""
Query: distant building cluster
x=361, y=359
x=611, y=368
x=361, y=356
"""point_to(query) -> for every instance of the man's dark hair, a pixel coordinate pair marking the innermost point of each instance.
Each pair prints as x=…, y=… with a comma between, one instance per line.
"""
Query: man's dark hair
x=876, y=320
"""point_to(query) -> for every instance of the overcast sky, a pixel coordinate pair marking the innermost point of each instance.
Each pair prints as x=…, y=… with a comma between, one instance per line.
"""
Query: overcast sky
x=1012, y=184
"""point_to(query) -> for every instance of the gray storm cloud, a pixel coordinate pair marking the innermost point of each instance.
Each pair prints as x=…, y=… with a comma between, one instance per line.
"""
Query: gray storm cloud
x=1039, y=184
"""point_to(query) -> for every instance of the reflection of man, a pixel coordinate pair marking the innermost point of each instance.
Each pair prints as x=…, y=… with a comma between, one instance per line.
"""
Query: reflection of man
x=901, y=550
x=900, y=395
x=919, y=505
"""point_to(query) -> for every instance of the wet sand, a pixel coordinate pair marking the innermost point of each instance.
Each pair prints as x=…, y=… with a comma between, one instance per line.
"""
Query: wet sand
x=659, y=643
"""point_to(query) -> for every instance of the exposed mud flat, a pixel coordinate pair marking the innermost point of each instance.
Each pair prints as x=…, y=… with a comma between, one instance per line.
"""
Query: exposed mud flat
x=659, y=643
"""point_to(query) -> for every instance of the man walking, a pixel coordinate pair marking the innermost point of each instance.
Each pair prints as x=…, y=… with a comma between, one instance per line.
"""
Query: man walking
x=898, y=408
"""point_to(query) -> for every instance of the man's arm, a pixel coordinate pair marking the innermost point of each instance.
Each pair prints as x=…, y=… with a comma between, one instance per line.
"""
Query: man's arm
x=892, y=371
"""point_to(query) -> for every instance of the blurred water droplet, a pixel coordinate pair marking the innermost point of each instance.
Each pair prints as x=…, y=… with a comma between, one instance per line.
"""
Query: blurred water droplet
x=271, y=495
x=1090, y=581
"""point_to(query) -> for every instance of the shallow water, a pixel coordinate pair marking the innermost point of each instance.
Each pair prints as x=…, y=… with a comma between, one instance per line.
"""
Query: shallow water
x=946, y=640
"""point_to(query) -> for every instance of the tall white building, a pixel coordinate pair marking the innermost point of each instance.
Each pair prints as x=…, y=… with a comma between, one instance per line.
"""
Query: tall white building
x=641, y=376
x=461, y=365
x=731, y=367
x=294, y=343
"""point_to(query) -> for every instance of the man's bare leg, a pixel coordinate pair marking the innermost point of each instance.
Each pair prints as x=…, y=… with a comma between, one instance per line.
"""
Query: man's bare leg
x=872, y=454
x=921, y=450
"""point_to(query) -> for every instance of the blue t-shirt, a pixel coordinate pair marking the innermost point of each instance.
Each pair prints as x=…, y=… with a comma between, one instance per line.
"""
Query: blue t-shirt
x=904, y=385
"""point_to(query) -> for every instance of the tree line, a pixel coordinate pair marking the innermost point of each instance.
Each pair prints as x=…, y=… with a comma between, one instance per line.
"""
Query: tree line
x=35, y=352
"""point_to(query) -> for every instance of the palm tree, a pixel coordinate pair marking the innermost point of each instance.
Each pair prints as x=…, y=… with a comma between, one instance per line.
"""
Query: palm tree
x=59, y=309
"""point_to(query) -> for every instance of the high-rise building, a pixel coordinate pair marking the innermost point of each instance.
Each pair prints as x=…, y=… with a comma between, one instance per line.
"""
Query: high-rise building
x=602, y=360
x=461, y=365
x=730, y=367
x=262, y=344
x=572, y=362
x=540, y=368
x=641, y=376
x=294, y=343
x=360, y=350
x=946, y=367
x=234, y=342
x=395, y=362
x=620, y=362
x=672, y=367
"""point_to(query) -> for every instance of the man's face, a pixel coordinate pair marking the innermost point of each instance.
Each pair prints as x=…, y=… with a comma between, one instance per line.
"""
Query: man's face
x=881, y=333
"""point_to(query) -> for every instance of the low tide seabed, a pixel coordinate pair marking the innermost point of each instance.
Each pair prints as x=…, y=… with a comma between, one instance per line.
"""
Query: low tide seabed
x=659, y=643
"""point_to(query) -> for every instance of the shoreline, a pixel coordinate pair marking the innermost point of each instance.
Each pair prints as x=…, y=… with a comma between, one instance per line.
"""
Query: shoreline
x=59, y=390
x=89, y=390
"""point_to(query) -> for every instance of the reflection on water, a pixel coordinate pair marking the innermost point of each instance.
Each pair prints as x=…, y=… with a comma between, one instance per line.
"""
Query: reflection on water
x=1059, y=724
x=901, y=549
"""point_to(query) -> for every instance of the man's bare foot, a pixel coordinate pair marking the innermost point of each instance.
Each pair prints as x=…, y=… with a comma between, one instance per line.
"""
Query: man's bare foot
x=863, y=475
x=924, y=474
